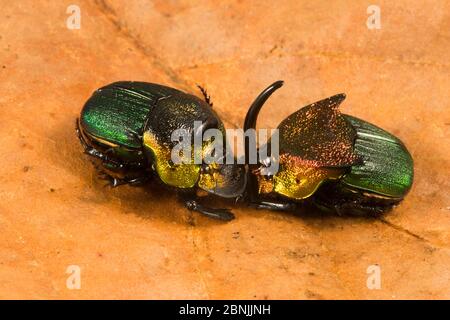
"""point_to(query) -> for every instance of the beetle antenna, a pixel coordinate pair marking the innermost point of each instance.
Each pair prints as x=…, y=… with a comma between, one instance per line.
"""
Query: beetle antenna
x=253, y=111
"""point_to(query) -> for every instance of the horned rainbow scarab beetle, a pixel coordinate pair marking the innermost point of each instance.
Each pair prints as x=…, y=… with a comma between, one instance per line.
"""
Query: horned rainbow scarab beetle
x=126, y=128
x=334, y=161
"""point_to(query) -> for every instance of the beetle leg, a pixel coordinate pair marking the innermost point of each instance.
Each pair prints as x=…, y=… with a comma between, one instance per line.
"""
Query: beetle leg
x=138, y=181
x=216, y=213
x=113, y=181
x=275, y=206
x=356, y=208
x=205, y=95
x=112, y=172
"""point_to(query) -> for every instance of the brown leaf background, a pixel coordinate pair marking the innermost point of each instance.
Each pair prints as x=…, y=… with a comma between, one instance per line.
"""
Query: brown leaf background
x=142, y=243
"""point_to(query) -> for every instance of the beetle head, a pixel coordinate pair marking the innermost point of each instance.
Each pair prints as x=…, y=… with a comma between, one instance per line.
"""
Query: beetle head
x=224, y=180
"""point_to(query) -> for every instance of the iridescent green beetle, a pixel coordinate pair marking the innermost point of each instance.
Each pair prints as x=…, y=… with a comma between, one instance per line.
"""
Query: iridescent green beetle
x=126, y=127
x=334, y=161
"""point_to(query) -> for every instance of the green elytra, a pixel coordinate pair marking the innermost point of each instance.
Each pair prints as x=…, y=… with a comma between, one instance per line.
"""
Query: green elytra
x=387, y=167
x=116, y=111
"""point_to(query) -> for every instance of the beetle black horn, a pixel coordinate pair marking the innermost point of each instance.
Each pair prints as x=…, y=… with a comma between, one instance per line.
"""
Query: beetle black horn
x=250, y=123
x=253, y=111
